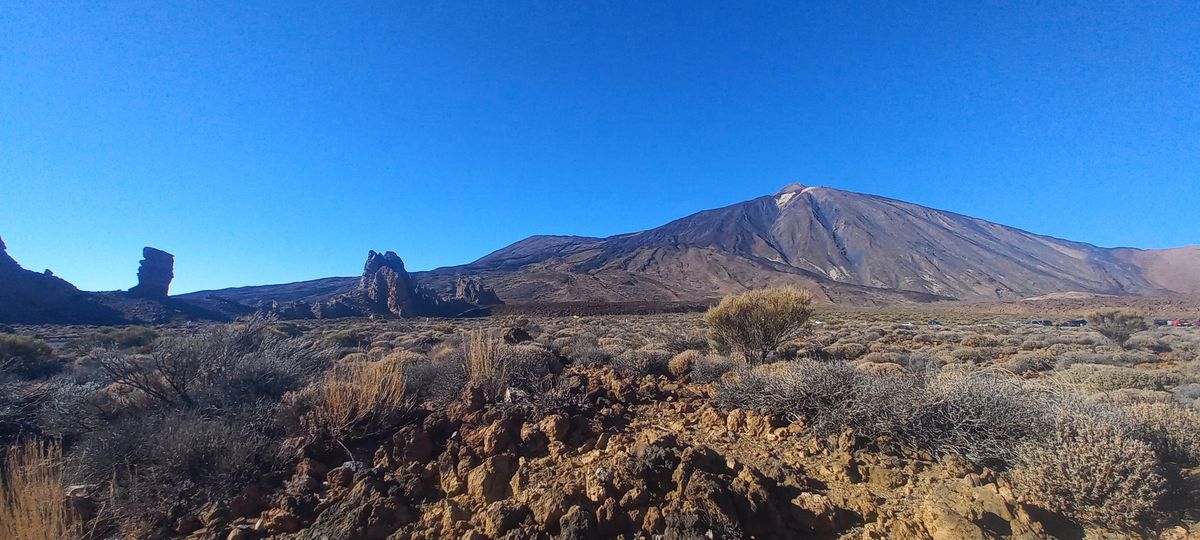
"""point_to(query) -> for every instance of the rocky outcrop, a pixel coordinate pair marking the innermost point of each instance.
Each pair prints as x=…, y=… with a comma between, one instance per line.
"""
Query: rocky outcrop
x=386, y=289
x=154, y=274
x=386, y=284
x=471, y=289
x=5, y=260
x=36, y=298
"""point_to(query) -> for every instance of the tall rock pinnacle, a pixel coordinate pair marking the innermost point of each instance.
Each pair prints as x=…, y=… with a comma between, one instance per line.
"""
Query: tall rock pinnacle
x=154, y=274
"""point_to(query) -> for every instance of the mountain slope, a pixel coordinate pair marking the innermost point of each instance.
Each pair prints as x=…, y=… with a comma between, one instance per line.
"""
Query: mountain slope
x=847, y=247
x=1176, y=269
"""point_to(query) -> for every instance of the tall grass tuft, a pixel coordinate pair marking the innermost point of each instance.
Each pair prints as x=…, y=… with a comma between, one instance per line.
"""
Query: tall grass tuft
x=360, y=397
x=486, y=366
x=32, y=496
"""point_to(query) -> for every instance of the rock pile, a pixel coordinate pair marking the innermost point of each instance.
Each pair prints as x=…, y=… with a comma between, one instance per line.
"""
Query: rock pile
x=622, y=456
x=626, y=457
x=155, y=273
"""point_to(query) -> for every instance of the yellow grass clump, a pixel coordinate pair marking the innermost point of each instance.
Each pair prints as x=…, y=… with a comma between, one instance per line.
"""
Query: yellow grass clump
x=355, y=395
x=32, y=496
x=485, y=365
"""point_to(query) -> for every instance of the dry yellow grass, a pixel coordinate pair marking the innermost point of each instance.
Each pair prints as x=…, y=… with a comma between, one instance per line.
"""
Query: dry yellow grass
x=32, y=496
x=355, y=394
x=485, y=364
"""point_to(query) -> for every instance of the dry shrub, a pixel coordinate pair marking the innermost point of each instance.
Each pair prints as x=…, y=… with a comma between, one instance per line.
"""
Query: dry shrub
x=1033, y=344
x=403, y=357
x=921, y=362
x=1090, y=472
x=1129, y=396
x=1100, y=378
x=361, y=397
x=1173, y=431
x=643, y=362
x=755, y=323
x=32, y=496
x=1117, y=325
x=978, y=414
x=528, y=365
x=1147, y=342
x=679, y=343
x=708, y=369
x=173, y=459
x=976, y=355
x=614, y=343
x=977, y=340
x=495, y=366
x=1022, y=363
x=25, y=357
x=1188, y=394
x=220, y=367
x=447, y=351
x=681, y=364
x=846, y=351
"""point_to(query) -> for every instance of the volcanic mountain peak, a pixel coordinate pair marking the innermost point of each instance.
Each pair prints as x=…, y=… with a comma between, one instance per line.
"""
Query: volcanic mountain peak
x=792, y=188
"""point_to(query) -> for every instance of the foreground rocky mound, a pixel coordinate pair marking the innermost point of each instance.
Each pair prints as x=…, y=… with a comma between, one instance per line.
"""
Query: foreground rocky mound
x=386, y=289
x=619, y=457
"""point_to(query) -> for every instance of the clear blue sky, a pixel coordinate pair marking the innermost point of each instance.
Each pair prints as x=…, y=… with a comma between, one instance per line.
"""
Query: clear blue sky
x=272, y=142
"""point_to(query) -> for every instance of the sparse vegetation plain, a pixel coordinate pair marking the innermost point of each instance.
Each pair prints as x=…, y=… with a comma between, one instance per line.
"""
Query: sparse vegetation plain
x=859, y=424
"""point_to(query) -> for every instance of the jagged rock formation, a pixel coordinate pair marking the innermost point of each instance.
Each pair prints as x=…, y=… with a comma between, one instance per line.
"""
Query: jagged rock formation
x=155, y=273
x=35, y=298
x=385, y=289
x=387, y=285
x=6, y=262
x=471, y=289
x=28, y=297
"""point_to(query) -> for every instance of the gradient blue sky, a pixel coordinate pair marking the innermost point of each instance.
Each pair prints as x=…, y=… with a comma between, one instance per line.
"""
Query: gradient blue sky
x=272, y=142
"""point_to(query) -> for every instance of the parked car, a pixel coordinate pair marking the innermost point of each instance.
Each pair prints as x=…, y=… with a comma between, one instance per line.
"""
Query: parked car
x=1074, y=323
x=1042, y=322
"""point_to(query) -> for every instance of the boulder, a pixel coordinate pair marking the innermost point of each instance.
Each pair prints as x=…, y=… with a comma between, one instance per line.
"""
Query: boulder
x=155, y=273
x=366, y=512
x=489, y=481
